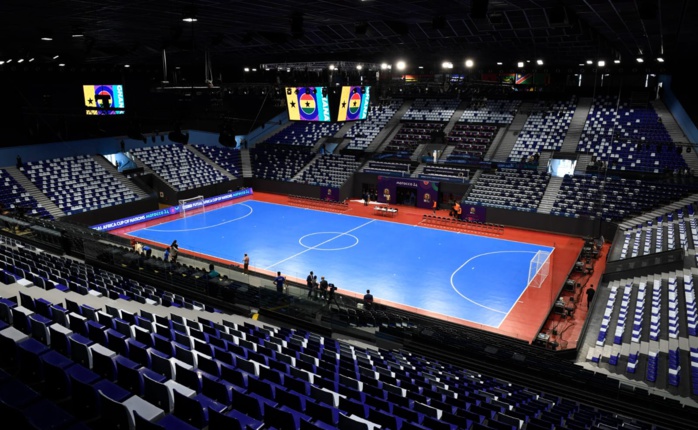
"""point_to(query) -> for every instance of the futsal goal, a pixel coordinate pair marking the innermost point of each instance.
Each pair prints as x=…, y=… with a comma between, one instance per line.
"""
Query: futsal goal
x=539, y=268
x=191, y=206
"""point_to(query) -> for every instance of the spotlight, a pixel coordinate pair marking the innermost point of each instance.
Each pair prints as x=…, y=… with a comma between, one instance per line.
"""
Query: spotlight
x=383, y=66
x=21, y=60
x=539, y=62
x=55, y=57
x=61, y=65
x=469, y=63
x=246, y=69
x=616, y=61
x=127, y=65
x=640, y=60
x=401, y=65
x=601, y=63
x=331, y=66
x=499, y=63
x=359, y=67
x=9, y=61
x=590, y=62
x=47, y=38
x=520, y=64
x=660, y=59
x=1, y=62
x=31, y=59
x=447, y=65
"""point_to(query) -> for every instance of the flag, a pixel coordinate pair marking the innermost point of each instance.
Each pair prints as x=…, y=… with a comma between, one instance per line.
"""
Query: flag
x=103, y=99
x=292, y=104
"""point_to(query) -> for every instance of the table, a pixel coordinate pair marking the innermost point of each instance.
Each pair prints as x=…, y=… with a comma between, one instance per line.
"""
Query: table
x=385, y=211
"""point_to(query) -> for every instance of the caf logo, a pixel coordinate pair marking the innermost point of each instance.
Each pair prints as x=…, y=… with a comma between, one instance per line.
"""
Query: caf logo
x=329, y=191
x=427, y=198
x=472, y=210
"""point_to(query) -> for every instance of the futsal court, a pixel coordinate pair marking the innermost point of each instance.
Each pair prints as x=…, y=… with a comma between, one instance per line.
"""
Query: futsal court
x=470, y=279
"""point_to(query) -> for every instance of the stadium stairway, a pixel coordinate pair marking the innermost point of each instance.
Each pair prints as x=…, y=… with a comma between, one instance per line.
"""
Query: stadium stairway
x=501, y=132
x=548, y=199
x=40, y=197
x=583, y=161
x=344, y=130
x=390, y=130
x=675, y=132
x=213, y=164
x=246, y=163
x=632, y=222
x=99, y=159
x=512, y=131
x=574, y=133
x=456, y=116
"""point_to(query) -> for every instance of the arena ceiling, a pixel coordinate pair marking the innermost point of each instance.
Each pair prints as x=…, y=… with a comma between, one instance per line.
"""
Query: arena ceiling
x=118, y=32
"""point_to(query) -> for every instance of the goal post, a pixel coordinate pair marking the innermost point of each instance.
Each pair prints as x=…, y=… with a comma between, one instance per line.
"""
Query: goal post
x=191, y=205
x=539, y=268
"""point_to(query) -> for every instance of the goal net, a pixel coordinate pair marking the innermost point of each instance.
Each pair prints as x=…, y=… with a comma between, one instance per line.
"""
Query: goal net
x=539, y=268
x=191, y=206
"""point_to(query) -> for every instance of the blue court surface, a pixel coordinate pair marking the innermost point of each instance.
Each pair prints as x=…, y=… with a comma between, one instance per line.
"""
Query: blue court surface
x=474, y=278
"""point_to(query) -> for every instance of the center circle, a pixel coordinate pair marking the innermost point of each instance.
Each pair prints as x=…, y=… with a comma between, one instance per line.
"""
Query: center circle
x=328, y=241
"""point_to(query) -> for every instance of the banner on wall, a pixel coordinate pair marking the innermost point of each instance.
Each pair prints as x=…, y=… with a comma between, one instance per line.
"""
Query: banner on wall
x=474, y=213
x=427, y=191
x=172, y=210
x=329, y=193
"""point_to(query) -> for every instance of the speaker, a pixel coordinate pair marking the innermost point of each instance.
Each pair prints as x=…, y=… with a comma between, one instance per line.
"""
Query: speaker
x=478, y=8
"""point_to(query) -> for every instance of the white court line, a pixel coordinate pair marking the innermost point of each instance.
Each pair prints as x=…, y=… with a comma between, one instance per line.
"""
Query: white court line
x=207, y=226
x=473, y=301
x=319, y=244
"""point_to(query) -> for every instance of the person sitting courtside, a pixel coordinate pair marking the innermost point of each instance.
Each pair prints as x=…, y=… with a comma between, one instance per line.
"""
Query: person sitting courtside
x=212, y=273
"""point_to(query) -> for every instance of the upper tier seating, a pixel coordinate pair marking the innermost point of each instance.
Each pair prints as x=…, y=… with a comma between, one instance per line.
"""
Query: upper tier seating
x=544, y=130
x=412, y=134
x=491, y=112
x=509, y=189
x=77, y=184
x=227, y=158
x=614, y=198
x=278, y=162
x=304, y=133
x=363, y=132
x=14, y=196
x=440, y=110
x=628, y=138
x=329, y=170
x=471, y=140
x=178, y=166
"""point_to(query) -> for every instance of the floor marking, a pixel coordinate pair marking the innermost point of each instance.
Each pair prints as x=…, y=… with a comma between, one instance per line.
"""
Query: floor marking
x=205, y=227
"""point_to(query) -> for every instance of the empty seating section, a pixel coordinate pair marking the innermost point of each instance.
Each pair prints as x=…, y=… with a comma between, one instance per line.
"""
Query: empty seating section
x=329, y=170
x=499, y=112
x=14, y=197
x=628, y=138
x=470, y=140
x=545, y=129
x=278, y=162
x=178, y=372
x=178, y=166
x=413, y=134
x=394, y=168
x=77, y=184
x=437, y=110
x=510, y=189
x=613, y=198
x=304, y=133
x=227, y=158
x=445, y=172
x=657, y=343
x=363, y=132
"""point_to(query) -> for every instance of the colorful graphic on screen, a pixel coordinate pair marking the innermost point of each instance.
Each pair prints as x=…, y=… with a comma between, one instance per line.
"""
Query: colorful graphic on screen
x=307, y=104
x=353, y=103
x=104, y=99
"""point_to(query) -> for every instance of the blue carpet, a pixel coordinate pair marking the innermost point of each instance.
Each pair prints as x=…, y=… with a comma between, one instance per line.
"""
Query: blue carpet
x=474, y=278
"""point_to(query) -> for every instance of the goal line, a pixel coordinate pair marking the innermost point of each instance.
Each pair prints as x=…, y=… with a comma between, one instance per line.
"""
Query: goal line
x=191, y=205
x=539, y=268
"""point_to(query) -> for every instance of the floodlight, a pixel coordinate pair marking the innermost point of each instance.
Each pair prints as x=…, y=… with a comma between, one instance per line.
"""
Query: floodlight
x=400, y=65
x=469, y=63
x=447, y=65
x=520, y=64
x=601, y=63
x=660, y=59
x=539, y=62
x=640, y=60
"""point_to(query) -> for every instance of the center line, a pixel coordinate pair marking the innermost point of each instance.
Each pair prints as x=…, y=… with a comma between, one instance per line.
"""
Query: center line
x=319, y=244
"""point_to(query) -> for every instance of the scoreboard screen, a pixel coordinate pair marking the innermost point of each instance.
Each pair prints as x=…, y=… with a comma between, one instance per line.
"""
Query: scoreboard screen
x=307, y=104
x=104, y=99
x=353, y=103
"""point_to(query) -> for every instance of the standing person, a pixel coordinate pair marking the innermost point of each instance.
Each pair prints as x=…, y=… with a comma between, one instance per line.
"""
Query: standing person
x=279, y=281
x=368, y=300
x=174, y=253
x=245, y=263
x=434, y=206
x=590, y=294
x=166, y=255
x=19, y=162
x=316, y=287
x=310, y=284
x=212, y=272
x=366, y=197
x=323, y=287
x=331, y=296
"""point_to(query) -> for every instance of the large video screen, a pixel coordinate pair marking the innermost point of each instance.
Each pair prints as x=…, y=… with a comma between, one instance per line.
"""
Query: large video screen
x=104, y=99
x=308, y=104
x=353, y=103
